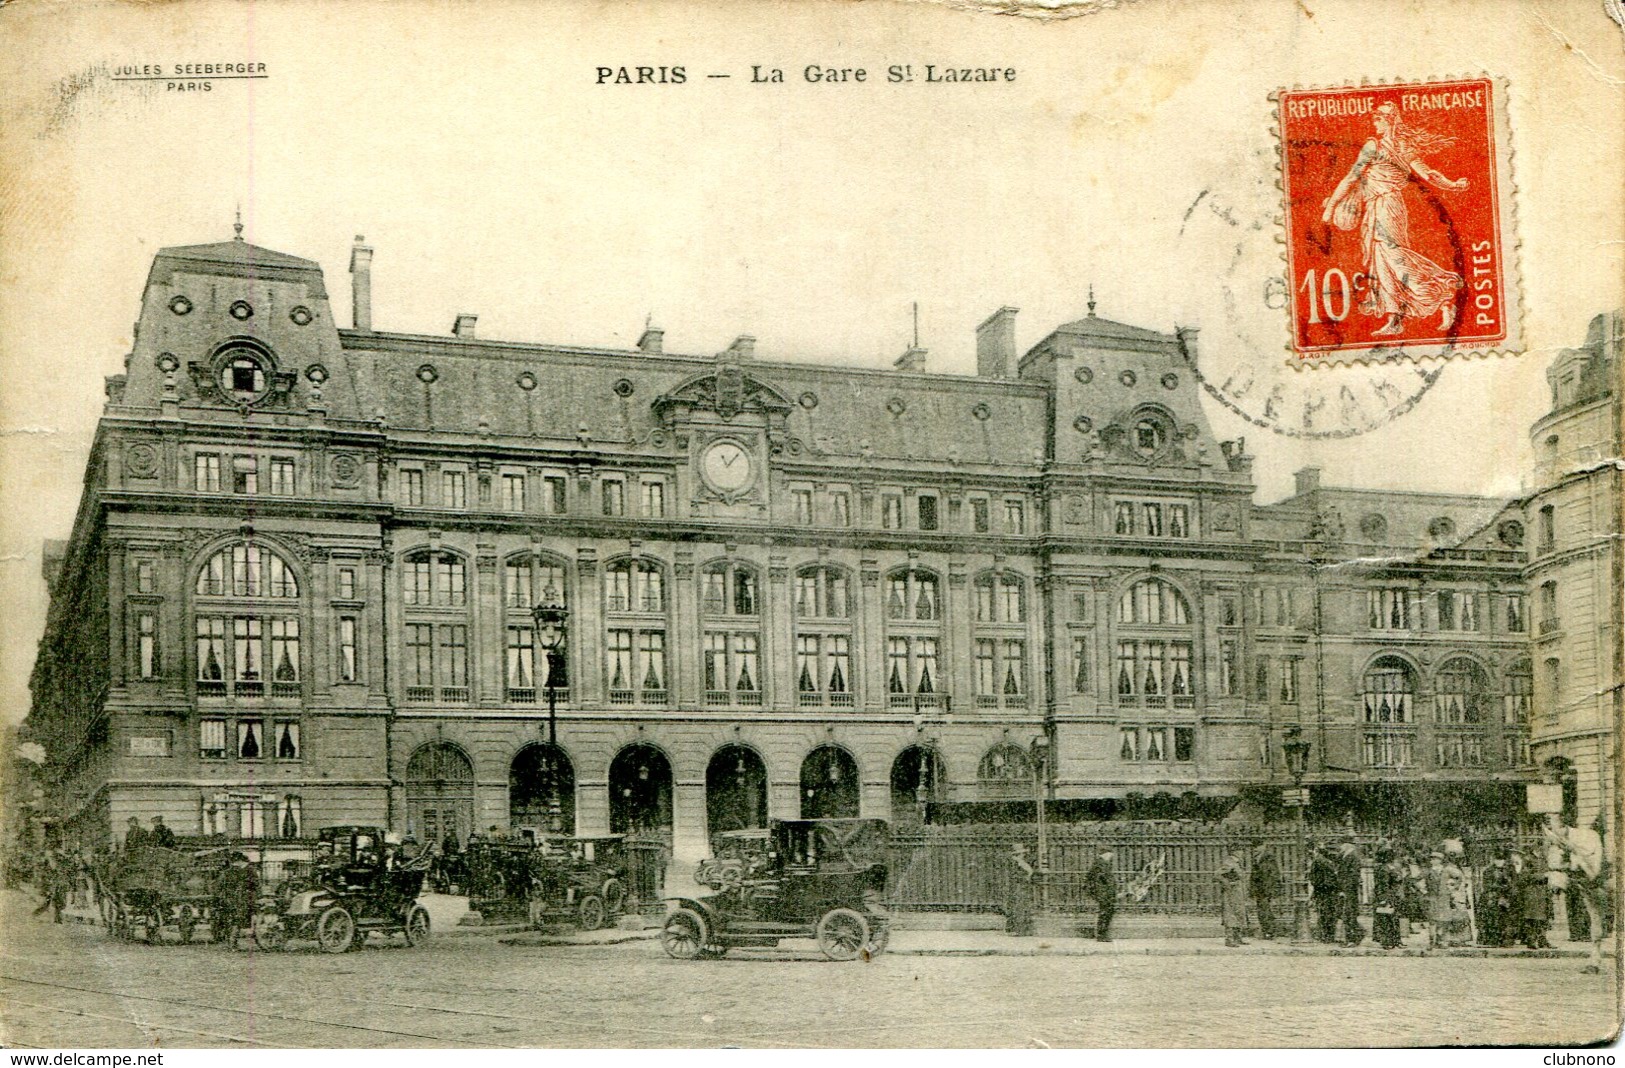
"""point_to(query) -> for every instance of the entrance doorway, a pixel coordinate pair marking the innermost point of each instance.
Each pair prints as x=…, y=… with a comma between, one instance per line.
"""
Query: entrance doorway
x=829, y=784
x=440, y=795
x=542, y=790
x=917, y=780
x=640, y=791
x=735, y=790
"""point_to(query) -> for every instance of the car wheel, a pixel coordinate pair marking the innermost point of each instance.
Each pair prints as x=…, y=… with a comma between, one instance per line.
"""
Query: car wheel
x=684, y=935
x=614, y=893
x=335, y=930
x=843, y=934
x=591, y=912
x=417, y=926
x=268, y=934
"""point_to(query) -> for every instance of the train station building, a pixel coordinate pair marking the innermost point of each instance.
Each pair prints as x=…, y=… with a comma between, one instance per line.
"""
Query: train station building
x=302, y=587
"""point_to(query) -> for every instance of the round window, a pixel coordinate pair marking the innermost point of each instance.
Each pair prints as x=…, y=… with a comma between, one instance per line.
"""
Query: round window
x=1511, y=533
x=242, y=374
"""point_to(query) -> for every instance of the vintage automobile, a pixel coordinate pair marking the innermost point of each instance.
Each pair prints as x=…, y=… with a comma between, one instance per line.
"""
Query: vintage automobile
x=580, y=880
x=820, y=879
x=150, y=888
x=358, y=884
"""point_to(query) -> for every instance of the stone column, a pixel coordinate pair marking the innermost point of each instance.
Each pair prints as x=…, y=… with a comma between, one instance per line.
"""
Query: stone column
x=686, y=640
x=586, y=633
x=958, y=622
x=485, y=606
x=778, y=612
x=869, y=638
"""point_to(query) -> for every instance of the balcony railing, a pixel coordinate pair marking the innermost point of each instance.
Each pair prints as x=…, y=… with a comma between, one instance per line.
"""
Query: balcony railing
x=521, y=695
x=734, y=698
x=637, y=697
x=1548, y=626
x=919, y=701
x=1008, y=700
x=249, y=688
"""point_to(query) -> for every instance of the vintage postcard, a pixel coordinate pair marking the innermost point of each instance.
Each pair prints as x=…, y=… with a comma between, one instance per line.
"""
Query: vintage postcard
x=811, y=525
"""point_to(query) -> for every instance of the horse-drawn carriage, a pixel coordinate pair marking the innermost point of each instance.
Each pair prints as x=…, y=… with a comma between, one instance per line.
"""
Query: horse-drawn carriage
x=150, y=888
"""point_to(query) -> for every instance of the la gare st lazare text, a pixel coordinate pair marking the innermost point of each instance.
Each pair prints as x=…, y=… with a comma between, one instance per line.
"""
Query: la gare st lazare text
x=813, y=74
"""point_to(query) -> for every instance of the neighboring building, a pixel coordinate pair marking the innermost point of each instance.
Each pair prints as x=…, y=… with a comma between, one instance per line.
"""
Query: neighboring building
x=1575, y=575
x=299, y=589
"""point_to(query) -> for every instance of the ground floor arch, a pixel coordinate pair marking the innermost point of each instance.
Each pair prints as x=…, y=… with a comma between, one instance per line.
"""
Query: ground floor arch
x=735, y=790
x=640, y=787
x=829, y=784
x=440, y=795
x=542, y=789
x=918, y=779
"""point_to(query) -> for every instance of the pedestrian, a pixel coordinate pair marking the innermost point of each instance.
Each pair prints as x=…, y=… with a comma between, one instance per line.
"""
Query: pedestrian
x=136, y=836
x=1438, y=899
x=1323, y=889
x=1531, y=903
x=1457, y=930
x=1233, y=899
x=234, y=896
x=1349, y=863
x=1388, y=898
x=160, y=835
x=1018, y=910
x=1495, y=903
x=1265, y=880
x=1100, y=883
x=53, y=880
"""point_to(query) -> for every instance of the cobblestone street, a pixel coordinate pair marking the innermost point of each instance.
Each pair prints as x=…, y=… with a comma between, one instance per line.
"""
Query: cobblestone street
x=71, y=985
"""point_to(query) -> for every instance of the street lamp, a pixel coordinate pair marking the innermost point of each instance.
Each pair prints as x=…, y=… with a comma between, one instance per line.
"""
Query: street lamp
x=1039, y=751
x=1296, y=749
x=552, y=625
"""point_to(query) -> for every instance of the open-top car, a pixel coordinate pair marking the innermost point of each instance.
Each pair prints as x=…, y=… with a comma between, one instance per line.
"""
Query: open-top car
x=820, y=879
x=358, y=884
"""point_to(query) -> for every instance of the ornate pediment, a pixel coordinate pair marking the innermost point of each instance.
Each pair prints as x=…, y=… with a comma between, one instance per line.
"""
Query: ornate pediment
x=728, y=392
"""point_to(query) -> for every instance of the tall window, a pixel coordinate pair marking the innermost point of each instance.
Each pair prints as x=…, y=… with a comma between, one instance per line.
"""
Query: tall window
x=412, y=484
x=1287, y=690
x=1515, y=619
x=146, y=645
x=1547, y=529
x=823, y=612
x=840, y=508
x=1390, y=609
x=979, y=517
x=913, y=640
x=348, y=665
x=635, y=645
x=1520, y=691
x=614, y=492
x=206, y=472
x=653, y=493
x=1389, y=691
x=454, y=489
x=1001, y=640
x=529, y=579
x=247, y=624
x=1123, y=518
x=282, y=477
x=513, y=492
x=1460, y=692
x=891, y=511
x=1080, y=664
x=730, y=604
x=245, y=474
x=926, y=506
x=1548, y=607
x=554, y=494
x=434, y=594
x=1229, y=667
x=1155, y=647
x=1015, y=517
x=1179, y=521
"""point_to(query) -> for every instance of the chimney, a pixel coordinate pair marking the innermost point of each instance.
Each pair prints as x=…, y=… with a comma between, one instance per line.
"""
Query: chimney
x=912, y=360
x=743, y=348
x=361, y=285
x=1308, y=479
x=464, y=326
x=652, y=341
x=996, y=344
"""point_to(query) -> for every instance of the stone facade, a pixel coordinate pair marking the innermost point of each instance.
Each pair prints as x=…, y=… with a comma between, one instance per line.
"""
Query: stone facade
x=1575, y=576
x=299, y=590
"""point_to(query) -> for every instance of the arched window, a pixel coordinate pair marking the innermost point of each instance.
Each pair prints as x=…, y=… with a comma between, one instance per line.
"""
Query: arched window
x=1005, y=772
x=829, y=784
x=635, y=631
x=1155, y=647
x=1000, y=642
x=434, y=596
x=440, y=796
x=917, y=780
x=730, y=605
x=823, y=638
x=1460, y=692
x=914, y=640
x=735, y=790
x=529, y=579
x=640, y=791
x=247, y=627
x=542, y=789
x=1389, y=691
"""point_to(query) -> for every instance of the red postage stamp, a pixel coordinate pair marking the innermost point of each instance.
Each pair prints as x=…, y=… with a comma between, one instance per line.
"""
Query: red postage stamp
x=1398, y=220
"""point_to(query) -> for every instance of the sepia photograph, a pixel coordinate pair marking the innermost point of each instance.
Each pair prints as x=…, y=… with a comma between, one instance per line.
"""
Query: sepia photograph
x=811, y=525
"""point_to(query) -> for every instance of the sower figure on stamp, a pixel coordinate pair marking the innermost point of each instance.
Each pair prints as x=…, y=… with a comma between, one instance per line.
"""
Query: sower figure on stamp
x=1265, y=882
x=1100, y=883
x=1402, y=283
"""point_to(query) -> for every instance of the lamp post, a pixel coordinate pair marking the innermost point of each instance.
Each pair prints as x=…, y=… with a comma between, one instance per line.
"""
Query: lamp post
x=552, y=625
x=1296, y=749
x=1039, y=751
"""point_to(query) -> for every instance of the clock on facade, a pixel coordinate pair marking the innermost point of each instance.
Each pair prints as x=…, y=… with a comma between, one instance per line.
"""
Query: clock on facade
x=727, y=467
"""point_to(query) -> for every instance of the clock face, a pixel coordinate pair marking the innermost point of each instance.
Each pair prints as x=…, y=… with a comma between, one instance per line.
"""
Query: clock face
x=727, y=466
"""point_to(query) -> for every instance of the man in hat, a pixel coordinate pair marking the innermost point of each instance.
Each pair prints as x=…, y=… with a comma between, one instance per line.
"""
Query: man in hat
x=1100, y=883
x=1349, y=863
x=1265, y=880
x=160, y=835
x=1531, y=903
x=136, y=836
x=1323, y=888
x=1493, y=906
x=1233, y=899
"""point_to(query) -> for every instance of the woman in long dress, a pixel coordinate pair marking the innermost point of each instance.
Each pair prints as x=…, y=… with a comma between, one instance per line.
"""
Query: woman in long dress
x=1401, y=282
